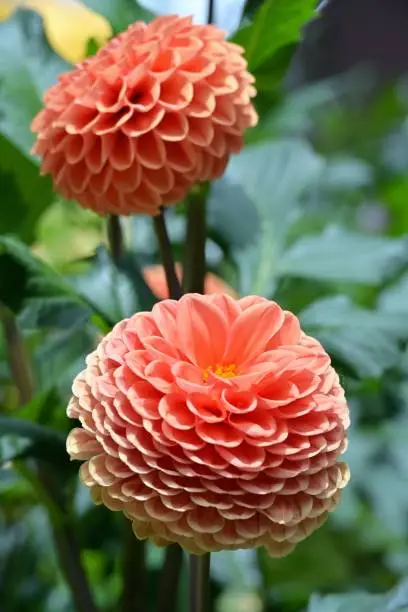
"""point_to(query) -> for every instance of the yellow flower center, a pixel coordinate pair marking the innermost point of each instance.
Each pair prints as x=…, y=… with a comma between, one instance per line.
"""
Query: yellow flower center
x=225, y=371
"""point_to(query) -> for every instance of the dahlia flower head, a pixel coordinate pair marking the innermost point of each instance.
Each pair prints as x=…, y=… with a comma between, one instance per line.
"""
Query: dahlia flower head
x=159, y=108
x=212, y=422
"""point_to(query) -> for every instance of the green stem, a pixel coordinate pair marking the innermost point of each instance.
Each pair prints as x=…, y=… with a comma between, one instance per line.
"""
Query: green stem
x=194, y=258
x=67, y=546
x=210, y=17
x=199, y=582
x=166, y=253
x=115, y=238
x=134, y=573
x=65, y=541
x=169, y=579
x=17, y=356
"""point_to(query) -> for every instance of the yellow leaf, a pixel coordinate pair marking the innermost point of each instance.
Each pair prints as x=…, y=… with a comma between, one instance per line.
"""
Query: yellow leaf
x=68, y=25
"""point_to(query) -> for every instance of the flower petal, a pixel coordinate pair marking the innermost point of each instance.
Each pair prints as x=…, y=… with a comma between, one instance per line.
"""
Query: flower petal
x=202, y=331
x=251, y=332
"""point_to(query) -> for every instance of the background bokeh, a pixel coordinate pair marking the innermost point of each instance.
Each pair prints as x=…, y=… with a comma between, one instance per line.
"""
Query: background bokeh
x=313, y=213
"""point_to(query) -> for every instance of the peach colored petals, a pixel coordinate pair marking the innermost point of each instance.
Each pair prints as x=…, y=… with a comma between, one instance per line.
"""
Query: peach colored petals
x=156, y=279
x=212, y=422
x=159, y=108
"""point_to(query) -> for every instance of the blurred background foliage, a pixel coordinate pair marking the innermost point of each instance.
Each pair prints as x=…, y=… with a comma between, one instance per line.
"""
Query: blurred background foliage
x=312, y=213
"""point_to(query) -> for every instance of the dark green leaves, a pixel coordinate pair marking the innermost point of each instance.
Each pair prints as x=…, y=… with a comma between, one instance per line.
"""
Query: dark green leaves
x=24, y=195
x=27, y=68
x=31, y=431
x=21, y=439
x=120, y=13
x=276, y=24
x=116, y=291
x=270, y=42
x=59, y=312
x=24, y=276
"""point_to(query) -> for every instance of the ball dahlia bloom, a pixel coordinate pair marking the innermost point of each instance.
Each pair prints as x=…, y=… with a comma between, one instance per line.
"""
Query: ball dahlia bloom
x=155, y=277
x=159, y=108
x=212, y=422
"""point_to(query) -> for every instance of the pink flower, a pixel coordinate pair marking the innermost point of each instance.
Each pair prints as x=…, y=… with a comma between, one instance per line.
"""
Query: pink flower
x=156, y=279
x=212, y=422
x=158, y=109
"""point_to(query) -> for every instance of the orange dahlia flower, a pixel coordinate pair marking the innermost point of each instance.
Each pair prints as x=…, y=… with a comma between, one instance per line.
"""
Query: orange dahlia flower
x=156, y=279
x=159, y=108
x=212, y=422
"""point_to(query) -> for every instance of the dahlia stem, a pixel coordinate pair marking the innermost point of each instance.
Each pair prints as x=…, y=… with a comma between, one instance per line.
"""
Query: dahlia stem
x=169, y=579
x=199, y=582
x=67, y=547
x=133, y=572
x=115, y=238
x=166, y=253
x=194, y=257
x=211, y=8
x=17, y=356
x=65, y=541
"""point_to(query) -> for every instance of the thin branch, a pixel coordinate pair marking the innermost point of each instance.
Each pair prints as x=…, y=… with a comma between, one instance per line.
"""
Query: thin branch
x=134, y=593
x=166, y=253
x=194, y=256
x=199, y=582
x=170, y=579
x=65, y=540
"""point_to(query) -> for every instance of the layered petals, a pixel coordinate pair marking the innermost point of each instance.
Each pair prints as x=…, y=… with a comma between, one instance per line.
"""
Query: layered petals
x=213, y=422
x=158, y=109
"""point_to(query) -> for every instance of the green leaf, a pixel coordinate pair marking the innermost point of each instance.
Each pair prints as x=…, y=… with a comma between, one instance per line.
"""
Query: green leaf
x=23, y=275
x=236, y=224
x=12, y=447
x=365, y=340
x=296, y=114
x=27, y=68
x=118, y=291
x=265, y=184
x=344, y=173
x=61, y=355
x=54, y=312
x=31, y=431
x=358, y=602
x=270, y=79
x=26, y=279
x=339, y=255
x=121, y=13
x=276, y=24
x=25, y=195
x=42, y=408
x=291, y=579
x=394, y=299
x=395, y=601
